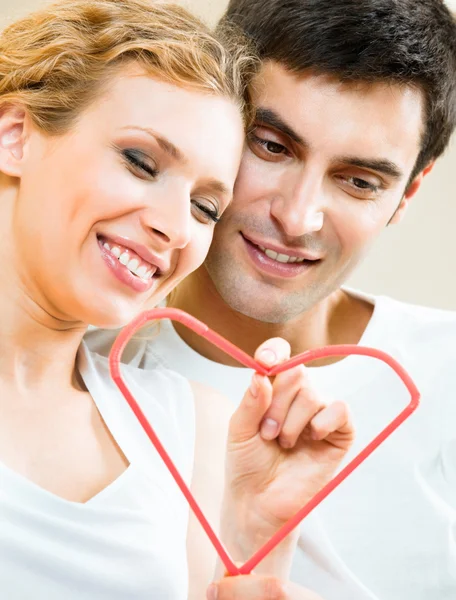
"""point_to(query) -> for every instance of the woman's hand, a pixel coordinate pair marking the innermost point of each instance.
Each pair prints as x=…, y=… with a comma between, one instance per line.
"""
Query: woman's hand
x=285, y=442
x=257, y=587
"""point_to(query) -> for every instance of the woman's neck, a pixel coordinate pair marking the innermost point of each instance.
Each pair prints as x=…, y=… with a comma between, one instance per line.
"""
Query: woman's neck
x=37, y=350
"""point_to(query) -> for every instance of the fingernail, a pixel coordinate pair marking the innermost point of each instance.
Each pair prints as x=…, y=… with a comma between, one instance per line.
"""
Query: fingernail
x=269, y=429
x=254, y=386
x=212, y=592
x=268, y=357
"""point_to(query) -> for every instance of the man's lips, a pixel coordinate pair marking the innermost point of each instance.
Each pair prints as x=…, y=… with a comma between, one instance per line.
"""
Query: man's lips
x=276, y=265
x=297, y=255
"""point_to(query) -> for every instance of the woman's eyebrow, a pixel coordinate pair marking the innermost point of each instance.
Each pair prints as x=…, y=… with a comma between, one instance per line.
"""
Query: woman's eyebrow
x=165, y=144
x=172, y=150
x=219, y=187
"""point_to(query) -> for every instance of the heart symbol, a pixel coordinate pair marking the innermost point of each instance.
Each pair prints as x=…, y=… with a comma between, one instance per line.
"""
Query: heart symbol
x=243, y=358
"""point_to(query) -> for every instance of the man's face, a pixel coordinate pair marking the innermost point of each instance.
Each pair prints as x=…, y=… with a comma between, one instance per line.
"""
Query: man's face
x=323, y=172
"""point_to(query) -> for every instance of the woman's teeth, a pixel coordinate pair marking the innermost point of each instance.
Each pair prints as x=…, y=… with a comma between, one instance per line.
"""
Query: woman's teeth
x=282, y=258
x=134, y=265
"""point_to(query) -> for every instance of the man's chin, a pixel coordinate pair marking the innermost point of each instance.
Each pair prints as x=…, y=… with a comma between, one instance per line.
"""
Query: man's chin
x=261, y=307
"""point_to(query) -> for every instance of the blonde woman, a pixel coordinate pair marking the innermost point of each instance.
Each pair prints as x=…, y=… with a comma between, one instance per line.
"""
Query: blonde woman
x=121, y=130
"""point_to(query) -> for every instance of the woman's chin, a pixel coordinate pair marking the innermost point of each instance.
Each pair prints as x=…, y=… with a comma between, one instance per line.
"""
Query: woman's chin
x=115, y=318
x=107, y=309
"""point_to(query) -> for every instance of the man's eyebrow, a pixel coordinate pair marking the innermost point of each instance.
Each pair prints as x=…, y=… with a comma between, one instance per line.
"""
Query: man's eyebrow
x=165, y=144
x=387, y=167
x=272, y=119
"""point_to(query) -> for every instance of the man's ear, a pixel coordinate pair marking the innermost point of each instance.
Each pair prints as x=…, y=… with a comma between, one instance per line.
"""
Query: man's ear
x=13, y=125
x=409, y=193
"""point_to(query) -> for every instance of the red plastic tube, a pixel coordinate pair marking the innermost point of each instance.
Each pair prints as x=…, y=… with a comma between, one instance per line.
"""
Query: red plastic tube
x=243, y=358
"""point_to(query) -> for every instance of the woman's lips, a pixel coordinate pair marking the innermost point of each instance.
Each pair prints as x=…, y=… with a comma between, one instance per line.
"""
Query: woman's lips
x=122, y=262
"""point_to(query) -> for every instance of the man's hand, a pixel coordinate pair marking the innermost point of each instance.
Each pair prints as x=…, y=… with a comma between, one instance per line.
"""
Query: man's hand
x=285, y=443
x=257, y=587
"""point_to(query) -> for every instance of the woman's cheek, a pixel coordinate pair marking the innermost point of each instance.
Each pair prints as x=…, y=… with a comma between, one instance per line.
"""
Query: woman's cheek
x=202, y=243
x=193, y=255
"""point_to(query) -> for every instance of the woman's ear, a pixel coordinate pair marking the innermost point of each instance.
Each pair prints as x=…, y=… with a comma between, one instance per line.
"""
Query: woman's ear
x=13, y=126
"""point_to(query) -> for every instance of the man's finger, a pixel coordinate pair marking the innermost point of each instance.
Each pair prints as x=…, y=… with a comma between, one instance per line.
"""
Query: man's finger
x=272, y=352
x=290, y=388
x=335, y=421
x=245, y=422
x=305, y=407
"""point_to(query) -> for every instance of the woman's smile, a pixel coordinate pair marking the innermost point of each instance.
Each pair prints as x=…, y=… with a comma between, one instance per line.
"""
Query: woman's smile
x=128, y=266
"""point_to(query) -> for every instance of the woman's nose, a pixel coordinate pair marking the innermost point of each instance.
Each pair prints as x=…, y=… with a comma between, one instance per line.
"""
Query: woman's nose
x=169, y=220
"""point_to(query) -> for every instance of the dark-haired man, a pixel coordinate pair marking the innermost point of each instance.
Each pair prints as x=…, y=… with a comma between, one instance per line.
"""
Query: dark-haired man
x=355, y=100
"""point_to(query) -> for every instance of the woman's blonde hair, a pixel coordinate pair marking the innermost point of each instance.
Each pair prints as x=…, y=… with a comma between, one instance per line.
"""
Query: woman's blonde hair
x=55, y=60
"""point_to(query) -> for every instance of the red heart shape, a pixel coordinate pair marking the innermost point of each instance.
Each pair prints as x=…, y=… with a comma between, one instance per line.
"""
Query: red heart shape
x=235, y=352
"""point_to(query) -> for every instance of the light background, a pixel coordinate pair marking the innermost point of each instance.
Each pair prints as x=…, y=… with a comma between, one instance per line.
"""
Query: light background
x=414, y=261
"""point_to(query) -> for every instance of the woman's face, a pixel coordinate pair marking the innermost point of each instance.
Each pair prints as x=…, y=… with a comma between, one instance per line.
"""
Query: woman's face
x=116, y=212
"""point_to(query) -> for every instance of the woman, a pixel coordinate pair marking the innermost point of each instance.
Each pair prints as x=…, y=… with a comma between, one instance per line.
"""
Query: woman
x=121, y=129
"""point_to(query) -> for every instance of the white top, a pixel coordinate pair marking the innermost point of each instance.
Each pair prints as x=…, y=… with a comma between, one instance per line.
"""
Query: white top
x=128, y=542
x=389, y=531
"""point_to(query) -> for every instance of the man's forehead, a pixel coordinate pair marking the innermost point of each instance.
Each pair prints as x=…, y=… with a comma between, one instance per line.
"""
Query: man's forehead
x=317, y=109
x=273, y=79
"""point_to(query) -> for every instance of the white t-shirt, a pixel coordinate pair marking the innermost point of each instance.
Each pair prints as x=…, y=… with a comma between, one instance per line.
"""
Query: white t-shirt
x=389, y=531
x=128, y=542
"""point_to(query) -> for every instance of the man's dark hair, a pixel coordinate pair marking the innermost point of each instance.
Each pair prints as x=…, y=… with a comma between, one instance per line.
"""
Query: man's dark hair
x=411, y=42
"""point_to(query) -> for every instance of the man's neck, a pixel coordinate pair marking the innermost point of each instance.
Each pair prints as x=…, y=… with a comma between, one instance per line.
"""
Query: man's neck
x=338, y=319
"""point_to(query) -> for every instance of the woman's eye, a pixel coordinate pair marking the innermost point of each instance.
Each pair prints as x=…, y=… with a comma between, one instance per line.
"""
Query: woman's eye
x=138, y=160
x=206, y=213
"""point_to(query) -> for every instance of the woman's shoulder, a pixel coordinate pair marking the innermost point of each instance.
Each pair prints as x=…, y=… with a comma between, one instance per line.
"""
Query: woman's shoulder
x=165, y=398
x=156, y=383
x=198, y=412
x=98, y=343
x=213, y=409
x=212, y=416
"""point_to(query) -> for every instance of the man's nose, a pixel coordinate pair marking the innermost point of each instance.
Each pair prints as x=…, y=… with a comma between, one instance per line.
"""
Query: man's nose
x=299, y=206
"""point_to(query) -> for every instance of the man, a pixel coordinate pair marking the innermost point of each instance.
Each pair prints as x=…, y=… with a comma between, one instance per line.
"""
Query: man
x=356, y=99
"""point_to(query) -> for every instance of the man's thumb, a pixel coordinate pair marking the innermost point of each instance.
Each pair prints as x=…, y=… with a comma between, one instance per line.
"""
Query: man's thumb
x=245, y=422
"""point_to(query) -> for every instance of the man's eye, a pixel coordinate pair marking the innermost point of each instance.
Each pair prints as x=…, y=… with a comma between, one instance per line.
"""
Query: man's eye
x=362, y=184
x=137, y=160
x=274, y=148
x=268, y=145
